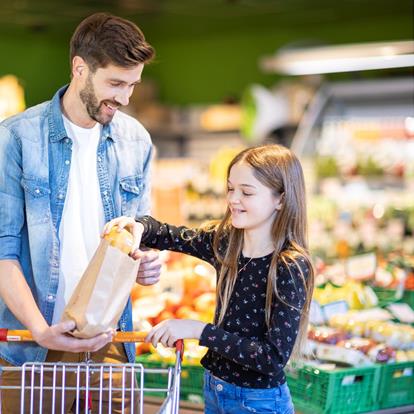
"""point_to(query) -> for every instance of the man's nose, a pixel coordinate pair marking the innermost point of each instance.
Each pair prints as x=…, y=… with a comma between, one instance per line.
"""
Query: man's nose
x=122, y=98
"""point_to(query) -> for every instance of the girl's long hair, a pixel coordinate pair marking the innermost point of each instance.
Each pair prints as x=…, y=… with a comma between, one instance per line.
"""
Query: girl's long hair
x=280, y=170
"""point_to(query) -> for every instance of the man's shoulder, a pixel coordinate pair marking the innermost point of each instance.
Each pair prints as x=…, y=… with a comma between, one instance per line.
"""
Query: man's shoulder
x=126, y=127
x=25, y=124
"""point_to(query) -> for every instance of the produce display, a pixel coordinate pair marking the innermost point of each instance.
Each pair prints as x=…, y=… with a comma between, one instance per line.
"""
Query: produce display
x=339, y=229
x=368, y=147
x=360, y=354
x=186, y=291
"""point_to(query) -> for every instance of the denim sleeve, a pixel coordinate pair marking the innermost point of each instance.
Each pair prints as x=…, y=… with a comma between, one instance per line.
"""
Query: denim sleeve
x=11, y=195
x=144, y=206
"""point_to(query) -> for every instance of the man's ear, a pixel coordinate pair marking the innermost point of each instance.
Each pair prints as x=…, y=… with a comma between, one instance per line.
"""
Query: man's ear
x=79, y=67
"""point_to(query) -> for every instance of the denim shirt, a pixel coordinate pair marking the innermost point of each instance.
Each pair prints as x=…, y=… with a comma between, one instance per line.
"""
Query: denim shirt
x=35, y=159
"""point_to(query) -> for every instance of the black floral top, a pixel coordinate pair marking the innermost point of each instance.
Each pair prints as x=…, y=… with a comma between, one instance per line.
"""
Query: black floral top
x=243, y=350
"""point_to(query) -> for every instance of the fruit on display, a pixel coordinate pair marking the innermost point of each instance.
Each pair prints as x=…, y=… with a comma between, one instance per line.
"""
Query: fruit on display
x=394, y=272
x=340, y=228
x=354, y=293
x=327, y=335
x=189, y=294
x=367, y=147
x=379, y=341
x=192, y=353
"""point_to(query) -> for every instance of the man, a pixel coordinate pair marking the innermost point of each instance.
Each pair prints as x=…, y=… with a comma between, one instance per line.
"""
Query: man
x=67, y=166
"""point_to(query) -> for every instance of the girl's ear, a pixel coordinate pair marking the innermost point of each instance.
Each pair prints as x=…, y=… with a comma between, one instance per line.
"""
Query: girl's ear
x=279, y=202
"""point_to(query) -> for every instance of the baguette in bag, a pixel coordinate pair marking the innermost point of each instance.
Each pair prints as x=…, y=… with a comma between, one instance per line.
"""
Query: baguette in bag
x=103, y=291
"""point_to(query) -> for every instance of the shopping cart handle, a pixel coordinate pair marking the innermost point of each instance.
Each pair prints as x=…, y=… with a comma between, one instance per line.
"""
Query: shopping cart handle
x=9, y=335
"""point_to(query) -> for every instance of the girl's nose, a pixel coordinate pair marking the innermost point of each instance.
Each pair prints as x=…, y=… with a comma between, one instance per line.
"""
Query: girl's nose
x=233, y=198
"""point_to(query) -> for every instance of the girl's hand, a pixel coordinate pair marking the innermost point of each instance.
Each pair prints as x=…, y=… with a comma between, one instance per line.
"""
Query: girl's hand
x=169, y=331
x=149, y=271
x=128, y=223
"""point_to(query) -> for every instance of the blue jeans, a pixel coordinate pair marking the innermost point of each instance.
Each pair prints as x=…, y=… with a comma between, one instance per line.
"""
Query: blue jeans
x=220, y=397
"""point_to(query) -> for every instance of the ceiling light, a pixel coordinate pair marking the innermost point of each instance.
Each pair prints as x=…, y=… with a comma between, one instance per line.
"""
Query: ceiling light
x=341, y=58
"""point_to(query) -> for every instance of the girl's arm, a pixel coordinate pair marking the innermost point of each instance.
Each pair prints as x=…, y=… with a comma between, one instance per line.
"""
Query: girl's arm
x=164, y=236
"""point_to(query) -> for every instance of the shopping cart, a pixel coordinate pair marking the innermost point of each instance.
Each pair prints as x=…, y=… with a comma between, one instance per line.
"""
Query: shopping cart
x=60, y=380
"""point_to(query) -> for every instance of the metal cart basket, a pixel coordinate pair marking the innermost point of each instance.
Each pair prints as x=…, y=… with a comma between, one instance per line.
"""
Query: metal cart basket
x=57, y=382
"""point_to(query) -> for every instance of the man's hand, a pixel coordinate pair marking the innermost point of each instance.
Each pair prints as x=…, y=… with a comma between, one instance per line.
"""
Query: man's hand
x=169, y=331
x=56, y=338
x=150, y=266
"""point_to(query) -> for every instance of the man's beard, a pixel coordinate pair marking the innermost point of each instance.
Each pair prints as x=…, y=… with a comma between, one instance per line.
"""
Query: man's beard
x=93, y=107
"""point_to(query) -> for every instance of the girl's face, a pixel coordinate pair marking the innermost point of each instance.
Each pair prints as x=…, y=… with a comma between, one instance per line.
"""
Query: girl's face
x=252, y=204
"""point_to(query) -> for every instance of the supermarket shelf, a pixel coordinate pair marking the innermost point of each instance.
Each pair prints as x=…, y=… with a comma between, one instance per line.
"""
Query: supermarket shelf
x=374, y=97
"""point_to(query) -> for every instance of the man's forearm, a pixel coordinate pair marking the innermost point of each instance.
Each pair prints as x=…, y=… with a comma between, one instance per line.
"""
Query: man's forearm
x=18, y=297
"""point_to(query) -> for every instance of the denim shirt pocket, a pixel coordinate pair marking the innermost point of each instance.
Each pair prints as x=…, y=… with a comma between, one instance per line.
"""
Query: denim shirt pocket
x=131, y=190
x=37, y=198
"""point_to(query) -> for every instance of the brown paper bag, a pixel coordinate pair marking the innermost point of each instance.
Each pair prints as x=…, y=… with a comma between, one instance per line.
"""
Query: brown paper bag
x=102, y=293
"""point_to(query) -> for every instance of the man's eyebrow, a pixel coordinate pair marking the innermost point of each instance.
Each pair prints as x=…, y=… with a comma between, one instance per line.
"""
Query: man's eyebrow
x=124, y=82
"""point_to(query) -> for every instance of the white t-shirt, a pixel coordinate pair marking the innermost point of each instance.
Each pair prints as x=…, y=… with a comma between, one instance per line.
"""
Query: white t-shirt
x=83, y=216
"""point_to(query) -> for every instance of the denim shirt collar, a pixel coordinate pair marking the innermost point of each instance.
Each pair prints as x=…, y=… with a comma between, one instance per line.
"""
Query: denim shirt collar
x=57, y=130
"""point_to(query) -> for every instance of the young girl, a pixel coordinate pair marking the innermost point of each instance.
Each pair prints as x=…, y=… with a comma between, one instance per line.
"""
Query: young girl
x=264, y=284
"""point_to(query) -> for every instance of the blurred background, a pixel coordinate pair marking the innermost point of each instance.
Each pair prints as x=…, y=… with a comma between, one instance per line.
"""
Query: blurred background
x=331, y=80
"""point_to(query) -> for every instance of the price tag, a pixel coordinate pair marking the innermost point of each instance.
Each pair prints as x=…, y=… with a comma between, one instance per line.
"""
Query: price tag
x=348, y=380
x=316, y=316
x=407, y=372
x=402, y=311
x=361, y=267
x=335, y=308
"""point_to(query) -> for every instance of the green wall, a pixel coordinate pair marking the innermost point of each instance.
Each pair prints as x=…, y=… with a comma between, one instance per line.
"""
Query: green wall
x=40, y=61
x=202, y=59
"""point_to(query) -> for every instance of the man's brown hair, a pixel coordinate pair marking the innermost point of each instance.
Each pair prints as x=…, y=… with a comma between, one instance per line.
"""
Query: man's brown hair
x=102, y=39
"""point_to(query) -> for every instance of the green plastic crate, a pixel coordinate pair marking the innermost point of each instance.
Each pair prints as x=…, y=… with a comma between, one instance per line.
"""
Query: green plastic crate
x=408, y=297
x=397, y=385
x=191, y=385
x=342, y=391
x=388, y=296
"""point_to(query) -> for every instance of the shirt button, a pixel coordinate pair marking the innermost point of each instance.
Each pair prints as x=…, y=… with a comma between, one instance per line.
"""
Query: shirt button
x=37, y=191
x=50, y=298
x=67, y=162
x=60, y=196
x=219, y=387
x=67, y=140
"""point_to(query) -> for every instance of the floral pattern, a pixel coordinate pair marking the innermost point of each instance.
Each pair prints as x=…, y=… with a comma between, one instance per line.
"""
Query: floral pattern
x=243, y=350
